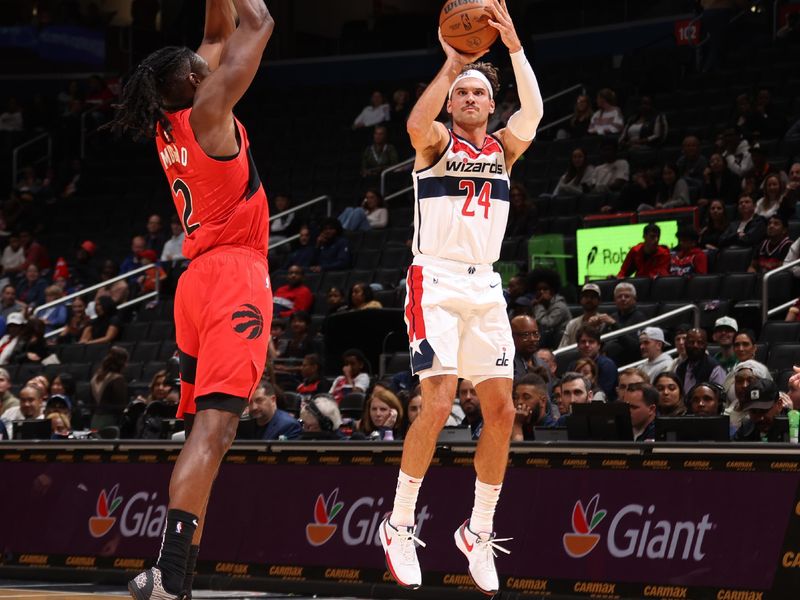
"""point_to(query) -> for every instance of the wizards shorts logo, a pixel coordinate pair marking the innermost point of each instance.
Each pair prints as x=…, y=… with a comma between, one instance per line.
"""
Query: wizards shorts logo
x=582, y=541
x=107, y=503
x=325, y=510
x=247, y=321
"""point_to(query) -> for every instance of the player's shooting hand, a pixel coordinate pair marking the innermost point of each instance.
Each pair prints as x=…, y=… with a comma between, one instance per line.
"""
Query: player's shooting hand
x=457, y=57
x=501, y=20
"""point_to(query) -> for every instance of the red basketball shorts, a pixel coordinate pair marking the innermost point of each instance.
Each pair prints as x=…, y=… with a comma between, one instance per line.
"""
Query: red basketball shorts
x=223, y=313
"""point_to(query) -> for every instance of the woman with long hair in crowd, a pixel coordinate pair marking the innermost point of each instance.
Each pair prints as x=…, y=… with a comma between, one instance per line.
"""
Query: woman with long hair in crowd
x=670, y=395
x=716, y=223
x=383, y=413
x=770, y=202
x=109, y=388
x=578, y=176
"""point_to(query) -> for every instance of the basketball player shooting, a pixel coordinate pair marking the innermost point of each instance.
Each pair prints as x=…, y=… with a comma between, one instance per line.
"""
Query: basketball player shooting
x=185, y=101
x=455, y=309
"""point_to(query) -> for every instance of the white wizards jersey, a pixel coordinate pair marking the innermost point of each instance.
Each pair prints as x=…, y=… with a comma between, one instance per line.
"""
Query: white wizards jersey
x=461, y=203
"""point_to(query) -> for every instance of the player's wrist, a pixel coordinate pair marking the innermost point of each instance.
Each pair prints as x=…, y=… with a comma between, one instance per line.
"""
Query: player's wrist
x=515, y=48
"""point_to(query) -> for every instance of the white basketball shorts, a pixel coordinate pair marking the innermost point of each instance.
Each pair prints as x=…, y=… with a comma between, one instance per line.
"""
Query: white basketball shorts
x=457, y=321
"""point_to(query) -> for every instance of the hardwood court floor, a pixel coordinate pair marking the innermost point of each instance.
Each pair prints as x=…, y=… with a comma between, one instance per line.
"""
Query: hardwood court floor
x=30, y=590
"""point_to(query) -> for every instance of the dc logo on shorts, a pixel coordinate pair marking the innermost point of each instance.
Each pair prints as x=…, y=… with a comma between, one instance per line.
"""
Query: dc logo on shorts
x=247, y=321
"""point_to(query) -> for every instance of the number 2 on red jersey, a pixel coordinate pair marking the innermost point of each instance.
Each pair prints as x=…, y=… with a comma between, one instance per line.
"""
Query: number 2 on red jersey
x=179, y=187
x=484, y=197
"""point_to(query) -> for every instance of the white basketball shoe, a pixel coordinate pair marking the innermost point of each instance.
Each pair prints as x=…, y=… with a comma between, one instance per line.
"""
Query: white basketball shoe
x=480, y=552
x=399, y=545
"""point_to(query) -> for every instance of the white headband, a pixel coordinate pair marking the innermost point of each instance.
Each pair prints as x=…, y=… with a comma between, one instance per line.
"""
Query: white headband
x=472, y=74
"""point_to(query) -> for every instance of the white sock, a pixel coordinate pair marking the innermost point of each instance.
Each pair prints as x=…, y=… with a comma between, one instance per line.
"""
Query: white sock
x=486, y=497
x=405, y=500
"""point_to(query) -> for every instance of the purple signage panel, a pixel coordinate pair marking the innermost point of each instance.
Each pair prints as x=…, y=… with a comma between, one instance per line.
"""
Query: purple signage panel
x=673, y=527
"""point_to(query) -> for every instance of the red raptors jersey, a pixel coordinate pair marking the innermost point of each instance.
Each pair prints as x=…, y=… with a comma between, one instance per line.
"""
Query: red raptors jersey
x=221, y=200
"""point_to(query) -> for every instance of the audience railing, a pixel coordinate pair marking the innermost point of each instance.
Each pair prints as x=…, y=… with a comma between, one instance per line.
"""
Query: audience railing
x=693, y=308
x=410, y=161
x=138, y=300
x=48, y=155
x=765, y=310
x=325, y=198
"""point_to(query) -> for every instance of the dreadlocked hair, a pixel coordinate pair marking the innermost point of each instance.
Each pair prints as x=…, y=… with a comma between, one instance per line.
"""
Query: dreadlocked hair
x=142, y=101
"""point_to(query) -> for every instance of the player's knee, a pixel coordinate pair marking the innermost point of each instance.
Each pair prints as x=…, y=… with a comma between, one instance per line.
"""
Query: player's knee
x=438, y=409
x=501, y=413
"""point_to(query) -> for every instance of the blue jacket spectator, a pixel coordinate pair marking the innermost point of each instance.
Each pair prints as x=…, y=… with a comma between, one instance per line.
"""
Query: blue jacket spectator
x=332, y=251
x=31, y=289
x=271, y=423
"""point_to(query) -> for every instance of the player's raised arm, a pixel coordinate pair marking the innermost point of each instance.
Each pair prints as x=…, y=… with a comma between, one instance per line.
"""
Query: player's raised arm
x=521, y=128
x=220, y=25
x=428, y=136
x=238, y=64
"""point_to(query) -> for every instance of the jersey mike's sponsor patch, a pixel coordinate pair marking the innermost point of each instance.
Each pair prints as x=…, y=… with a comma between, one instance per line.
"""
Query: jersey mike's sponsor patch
x=247, y=321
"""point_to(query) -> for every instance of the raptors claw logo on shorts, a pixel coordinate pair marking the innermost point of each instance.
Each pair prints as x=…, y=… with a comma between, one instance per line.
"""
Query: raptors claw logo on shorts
x=247, y=321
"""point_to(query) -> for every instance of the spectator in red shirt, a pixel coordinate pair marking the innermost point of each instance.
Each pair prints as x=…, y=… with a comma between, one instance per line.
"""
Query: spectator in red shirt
x=293, y=296
x=774, y=248
x=647, y=259
x=688, y=259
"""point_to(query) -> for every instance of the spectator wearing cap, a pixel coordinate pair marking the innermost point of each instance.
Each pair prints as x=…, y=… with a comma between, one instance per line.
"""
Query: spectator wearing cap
x=31, y=406
x=774, y=248
x=14, y=326
x=743, y=374
x=549, y=307
x=84, y=271
x=725, y=329
x=642, y=400
x=173, y=247
x=652, y=343
x=54, y=317
x=589, y=346
x=293, y=296
x=590, y=301
x=761, y=402
x=7, y=399
x=531, y=403
x=687, y=259
x=147, y=280
x=31, y=289
x=648, y=259
x=749, y=230
x=699, y=366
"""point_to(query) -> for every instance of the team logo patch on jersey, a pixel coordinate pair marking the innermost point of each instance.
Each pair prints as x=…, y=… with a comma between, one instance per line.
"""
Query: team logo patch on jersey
x=248, y=321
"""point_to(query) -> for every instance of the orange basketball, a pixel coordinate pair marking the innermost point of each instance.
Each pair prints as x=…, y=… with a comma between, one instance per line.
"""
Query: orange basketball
x=465, y=25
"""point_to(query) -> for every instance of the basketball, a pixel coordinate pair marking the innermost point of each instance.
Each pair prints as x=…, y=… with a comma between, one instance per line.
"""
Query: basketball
x=465, y=25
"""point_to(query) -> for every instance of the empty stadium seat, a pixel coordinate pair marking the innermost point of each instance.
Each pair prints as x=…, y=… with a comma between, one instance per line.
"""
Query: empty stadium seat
x=367, y=259
x=668, y=289
x=779, y=331
x=703, y=287
x=145, y=352
x=738, y=286
x=783, y=356
x=733, y=260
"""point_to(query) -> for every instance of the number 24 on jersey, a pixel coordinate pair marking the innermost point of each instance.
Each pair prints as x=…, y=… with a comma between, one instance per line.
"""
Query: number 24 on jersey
x=484, y=197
